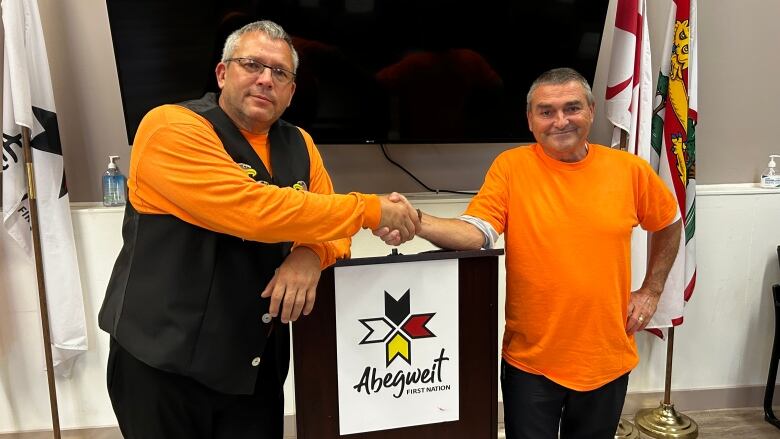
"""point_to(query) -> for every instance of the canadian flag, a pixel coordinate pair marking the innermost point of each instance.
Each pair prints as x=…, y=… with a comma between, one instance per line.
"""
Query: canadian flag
x=629, y=101
x=629, y=97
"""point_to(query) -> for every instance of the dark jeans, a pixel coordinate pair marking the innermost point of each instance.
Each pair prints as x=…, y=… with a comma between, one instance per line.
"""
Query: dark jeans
x=535, y=407
x=153, y=404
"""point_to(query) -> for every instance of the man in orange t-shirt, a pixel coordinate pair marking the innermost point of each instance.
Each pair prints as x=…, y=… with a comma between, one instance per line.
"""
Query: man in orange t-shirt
x=231, y=217
x=567, y=209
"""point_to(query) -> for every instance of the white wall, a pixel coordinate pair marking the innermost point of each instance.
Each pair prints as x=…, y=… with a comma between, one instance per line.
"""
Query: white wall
x=83, y=400
x=737, y=89
x=724, y=343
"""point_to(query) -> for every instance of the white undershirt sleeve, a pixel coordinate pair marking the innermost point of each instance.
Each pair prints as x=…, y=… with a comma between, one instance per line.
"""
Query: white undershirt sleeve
x=483, y=226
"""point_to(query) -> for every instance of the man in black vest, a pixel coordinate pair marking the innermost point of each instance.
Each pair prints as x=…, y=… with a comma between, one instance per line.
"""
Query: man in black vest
x=231, y=217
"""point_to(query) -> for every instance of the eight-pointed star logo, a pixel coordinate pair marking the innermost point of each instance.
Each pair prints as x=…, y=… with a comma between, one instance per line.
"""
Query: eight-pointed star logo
x=397, y=327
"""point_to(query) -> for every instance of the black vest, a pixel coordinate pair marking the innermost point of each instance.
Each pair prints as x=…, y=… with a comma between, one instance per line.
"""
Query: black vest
x=187, y=300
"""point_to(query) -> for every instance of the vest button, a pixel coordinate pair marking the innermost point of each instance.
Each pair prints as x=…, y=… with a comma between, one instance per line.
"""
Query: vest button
x=255, y=361
x=267, y=318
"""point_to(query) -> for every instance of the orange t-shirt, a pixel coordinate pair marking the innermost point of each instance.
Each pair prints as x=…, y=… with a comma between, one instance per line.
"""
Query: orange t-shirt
x=178, y=166
x=568, y=257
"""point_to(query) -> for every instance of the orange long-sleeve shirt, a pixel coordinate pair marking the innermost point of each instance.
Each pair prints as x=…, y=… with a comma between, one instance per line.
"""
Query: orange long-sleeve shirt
x=568, y=257
x=179, y=167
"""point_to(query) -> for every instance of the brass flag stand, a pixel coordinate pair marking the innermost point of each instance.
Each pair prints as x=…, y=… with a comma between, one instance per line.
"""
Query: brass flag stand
x=664, y=421
x=626, y=430
x=36, y=235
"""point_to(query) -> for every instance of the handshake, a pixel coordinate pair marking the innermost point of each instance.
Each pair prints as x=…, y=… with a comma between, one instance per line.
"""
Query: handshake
x=400, y=221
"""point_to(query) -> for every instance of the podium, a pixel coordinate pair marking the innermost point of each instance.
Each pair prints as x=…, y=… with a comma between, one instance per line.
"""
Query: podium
x=315, y=351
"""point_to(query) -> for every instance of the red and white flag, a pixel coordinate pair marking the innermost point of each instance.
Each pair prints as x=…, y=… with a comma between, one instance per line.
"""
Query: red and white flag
x=629, y=94
x=28, y=101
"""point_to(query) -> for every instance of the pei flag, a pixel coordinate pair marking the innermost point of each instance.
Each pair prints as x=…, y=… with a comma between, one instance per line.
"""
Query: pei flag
x=673, y=152
x=28, y=101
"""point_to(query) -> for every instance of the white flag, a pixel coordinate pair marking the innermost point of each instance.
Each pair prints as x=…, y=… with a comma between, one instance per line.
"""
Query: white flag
x=28, y=101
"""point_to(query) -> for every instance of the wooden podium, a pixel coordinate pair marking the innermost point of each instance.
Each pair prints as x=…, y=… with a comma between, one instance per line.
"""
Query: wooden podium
x=314, y=347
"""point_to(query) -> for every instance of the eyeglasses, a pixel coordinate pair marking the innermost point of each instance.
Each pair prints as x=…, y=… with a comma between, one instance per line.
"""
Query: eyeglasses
x=279, y=75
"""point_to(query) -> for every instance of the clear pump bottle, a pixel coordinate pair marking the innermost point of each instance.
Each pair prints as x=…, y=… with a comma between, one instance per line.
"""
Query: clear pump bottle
x=114, y=184
x=770, y=177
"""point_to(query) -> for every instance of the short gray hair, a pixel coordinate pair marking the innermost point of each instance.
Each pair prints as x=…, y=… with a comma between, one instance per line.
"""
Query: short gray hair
x=274, y=32
x=560, y=76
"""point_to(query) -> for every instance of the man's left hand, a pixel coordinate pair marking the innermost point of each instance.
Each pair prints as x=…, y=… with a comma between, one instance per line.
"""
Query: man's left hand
x=294, y=286
x=641, y=309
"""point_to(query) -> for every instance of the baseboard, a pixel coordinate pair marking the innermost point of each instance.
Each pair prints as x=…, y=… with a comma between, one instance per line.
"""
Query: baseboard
x=701, y=399
x=109, y=432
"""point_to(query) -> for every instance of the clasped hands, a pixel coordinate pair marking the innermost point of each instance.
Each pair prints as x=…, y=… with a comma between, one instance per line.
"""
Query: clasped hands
x=400, y=220
x=293, y=288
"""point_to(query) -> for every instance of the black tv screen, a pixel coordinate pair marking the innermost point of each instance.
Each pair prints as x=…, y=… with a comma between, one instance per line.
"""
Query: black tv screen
x=371, y=71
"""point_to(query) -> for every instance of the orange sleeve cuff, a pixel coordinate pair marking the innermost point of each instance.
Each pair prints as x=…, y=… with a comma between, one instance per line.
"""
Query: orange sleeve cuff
x=372, y=213
x=318, y=249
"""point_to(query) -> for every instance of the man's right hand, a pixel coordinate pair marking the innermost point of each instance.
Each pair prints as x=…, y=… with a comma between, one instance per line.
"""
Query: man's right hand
x=399, y=216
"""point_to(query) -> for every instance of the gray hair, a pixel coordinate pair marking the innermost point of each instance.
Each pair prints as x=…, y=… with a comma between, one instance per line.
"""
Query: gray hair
x=560, y=76
x=274, y=32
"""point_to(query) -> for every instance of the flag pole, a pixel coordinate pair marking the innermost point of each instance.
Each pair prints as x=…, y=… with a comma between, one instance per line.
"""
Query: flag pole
x=664, y=421
x=36, y=235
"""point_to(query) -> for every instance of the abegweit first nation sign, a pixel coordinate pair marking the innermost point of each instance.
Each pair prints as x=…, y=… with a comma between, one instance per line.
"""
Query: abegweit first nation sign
x=397, y=345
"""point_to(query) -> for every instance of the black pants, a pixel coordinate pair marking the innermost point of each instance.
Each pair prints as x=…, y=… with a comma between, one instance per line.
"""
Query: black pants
x=153, y=404
x=535, y=407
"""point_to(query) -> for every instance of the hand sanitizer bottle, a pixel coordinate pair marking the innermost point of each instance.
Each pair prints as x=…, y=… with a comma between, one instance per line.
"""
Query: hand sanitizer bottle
x=769, y=177
x=114, y=184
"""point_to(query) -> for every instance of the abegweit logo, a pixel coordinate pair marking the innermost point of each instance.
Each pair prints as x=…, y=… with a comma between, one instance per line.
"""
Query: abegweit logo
x=396, y=329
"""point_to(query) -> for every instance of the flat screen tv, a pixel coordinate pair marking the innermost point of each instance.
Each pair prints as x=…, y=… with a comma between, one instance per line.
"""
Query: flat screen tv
x=371, y=71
